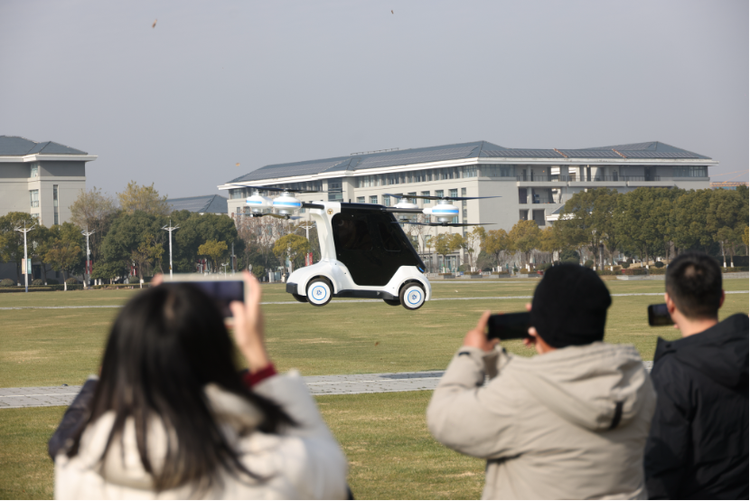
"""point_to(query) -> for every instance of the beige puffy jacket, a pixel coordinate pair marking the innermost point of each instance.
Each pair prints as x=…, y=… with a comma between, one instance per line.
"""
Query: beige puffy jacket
x=303, y=462
x=569, y=424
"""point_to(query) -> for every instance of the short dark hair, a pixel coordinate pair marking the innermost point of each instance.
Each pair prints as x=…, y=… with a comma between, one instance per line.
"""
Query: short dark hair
x=693, y=282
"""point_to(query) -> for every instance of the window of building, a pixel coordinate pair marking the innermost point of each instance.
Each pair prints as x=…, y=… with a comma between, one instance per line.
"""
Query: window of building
x=386, y=200
x=34, y=195
x=373, y=199
x=464, y=210
x=453, y=193
x=699, y=171
x=539, y=217
x=360, y=200
x=439, y=193
x=334, y=191
x=56, y=203
x=523, y=215
x=34, y=170
x=412, y=200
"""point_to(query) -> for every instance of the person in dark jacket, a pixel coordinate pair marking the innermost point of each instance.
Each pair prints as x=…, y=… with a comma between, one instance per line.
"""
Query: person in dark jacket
x=698, y=444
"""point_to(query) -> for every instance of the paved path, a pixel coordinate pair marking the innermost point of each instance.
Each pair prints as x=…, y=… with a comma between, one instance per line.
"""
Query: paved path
x=342, y=301
x=50, y=396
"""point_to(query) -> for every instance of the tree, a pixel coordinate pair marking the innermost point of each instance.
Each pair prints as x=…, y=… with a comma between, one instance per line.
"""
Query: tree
x=469, y=242
x=143, y=198
x=93, y=211
x=291, y=247
x=11, y=241
x=495, y=242
x=525, y=236
x=689, y=212
x=42, y=238
x=726, y=218
x=108, y=270
x=214, y=251
x=644, y=220
x=135, y=238
x=195, y=230
x=588, y=220
x=64, y=253
x=446, y=243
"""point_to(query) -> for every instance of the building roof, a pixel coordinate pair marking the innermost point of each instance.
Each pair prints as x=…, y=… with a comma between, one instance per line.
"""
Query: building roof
x=213, y=204
x=15, y=146
x=478, y=149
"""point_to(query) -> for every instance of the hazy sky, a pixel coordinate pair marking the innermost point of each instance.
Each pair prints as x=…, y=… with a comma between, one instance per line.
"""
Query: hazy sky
x=214, y=84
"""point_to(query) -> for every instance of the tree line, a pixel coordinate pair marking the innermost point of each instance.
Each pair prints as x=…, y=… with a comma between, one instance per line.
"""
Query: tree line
x=126, y=233
x=643, y=224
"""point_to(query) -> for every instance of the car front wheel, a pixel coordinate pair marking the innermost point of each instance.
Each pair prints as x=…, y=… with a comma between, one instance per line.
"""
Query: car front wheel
x=319, y=292
x=412, y=296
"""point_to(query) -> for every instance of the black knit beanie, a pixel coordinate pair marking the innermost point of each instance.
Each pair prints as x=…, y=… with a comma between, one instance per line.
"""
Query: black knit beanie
x=570, y=306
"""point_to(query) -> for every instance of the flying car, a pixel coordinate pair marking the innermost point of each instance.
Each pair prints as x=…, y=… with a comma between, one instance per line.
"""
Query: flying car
x=364, y=251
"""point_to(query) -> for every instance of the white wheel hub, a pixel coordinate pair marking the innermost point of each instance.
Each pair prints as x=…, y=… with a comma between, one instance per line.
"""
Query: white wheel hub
x=413, y=297
x=319, y=293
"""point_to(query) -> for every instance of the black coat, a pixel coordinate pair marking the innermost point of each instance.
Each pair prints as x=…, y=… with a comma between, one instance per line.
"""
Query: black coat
x=698, y=445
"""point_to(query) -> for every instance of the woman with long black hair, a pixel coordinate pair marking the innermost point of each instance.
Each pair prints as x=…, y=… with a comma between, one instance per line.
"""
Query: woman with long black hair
x=170, y=417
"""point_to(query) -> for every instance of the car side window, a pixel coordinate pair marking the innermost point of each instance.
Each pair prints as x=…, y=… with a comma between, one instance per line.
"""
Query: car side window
x=351, y=232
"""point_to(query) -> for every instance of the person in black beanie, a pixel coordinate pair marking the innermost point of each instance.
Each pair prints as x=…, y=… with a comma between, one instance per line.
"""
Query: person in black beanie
x=571, y=422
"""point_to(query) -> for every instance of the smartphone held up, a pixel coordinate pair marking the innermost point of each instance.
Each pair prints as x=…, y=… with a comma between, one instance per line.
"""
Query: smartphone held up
x=223, y=290
x=658, y=315
x=509, y=326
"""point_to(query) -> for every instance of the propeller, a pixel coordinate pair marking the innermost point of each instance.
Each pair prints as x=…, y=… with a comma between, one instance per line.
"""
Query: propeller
x=444, y=210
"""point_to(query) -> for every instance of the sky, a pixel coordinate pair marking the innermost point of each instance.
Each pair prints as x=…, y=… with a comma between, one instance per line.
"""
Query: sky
x=210, y=85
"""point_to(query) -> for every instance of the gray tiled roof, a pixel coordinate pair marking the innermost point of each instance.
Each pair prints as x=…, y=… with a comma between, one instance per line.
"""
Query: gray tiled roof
x=214, y=204
x=18, y=146
x=477, y=149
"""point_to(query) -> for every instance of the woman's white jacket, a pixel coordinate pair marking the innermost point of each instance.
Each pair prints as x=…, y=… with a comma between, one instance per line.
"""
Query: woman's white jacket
x=300, y=462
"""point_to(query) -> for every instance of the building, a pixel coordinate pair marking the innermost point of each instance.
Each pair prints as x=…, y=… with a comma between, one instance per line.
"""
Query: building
x=530, y=183
x=206, y=204
x=42, y=179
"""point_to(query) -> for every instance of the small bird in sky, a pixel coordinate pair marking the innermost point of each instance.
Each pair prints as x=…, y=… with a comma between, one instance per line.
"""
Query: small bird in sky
x=154, y=25
x=237, y=164
x=391, y=12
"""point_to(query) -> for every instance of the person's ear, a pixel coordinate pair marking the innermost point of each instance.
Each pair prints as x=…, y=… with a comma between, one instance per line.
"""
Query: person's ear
x=670, y=304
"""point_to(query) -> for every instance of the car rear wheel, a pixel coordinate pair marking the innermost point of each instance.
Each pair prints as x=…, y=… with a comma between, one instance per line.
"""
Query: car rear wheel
x=412, y=296
x=319, y=292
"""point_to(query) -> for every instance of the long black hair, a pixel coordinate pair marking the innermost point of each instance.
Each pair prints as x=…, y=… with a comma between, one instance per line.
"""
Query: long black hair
x=165, y=346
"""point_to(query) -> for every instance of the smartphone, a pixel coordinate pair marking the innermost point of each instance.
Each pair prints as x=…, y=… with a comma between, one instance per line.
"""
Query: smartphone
x=658, y=315
x=509, y=326
x=222, y=290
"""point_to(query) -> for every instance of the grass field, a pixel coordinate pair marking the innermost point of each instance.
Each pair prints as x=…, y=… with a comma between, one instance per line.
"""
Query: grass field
x=385, y=437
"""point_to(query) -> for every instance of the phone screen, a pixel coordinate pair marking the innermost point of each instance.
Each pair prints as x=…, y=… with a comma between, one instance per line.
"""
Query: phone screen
x=658, y=315
x=509, y=326
x=223, y=292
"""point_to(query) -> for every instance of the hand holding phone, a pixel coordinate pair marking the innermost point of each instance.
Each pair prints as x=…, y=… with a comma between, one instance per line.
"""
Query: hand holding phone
x=658, y=315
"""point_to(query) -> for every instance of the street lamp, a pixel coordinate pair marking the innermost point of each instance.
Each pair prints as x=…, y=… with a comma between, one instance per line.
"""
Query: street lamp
x=87, y=234
x=25, y=230
x=170, y=229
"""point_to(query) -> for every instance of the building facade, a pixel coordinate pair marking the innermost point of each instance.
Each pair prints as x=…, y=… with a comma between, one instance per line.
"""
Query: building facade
x=527, y=183
x=42, y=179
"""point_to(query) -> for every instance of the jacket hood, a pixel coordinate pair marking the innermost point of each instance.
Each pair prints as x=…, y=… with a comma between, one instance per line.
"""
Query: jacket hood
x=122, y=466
x=597, y=386
x=720, y=353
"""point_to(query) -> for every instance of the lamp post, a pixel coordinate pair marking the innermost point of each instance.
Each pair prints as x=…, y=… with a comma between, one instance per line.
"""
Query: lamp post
x=87, y=234
x=170, y=229
x=25, y=230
